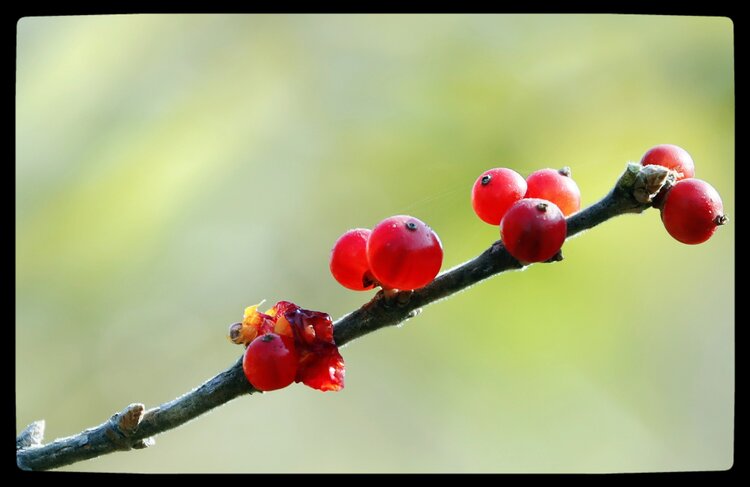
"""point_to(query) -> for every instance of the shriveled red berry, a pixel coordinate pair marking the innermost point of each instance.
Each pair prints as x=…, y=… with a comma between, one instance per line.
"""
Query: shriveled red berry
x=270, y=362
x=533, y=230
x=692, y=210
x=348, y=261
x=495, y=191
x=404, y=253
x=556, y=186
x=321, y=366
x=322, y=369
x=672, y=157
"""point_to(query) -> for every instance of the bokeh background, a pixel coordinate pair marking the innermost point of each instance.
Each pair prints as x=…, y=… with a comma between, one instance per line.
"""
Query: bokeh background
x=172, y=170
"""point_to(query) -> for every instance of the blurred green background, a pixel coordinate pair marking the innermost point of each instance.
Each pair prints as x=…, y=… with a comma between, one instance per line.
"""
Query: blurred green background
x=172, y=170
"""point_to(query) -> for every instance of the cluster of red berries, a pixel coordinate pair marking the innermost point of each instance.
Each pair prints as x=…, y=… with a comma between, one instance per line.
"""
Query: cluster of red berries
x=289, y=344
x=530, y=212
x=400, y=252
x=691, y=209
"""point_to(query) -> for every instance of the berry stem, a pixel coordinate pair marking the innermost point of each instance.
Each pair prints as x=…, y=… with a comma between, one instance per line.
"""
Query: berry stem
x=133, y=428
x=555, y=258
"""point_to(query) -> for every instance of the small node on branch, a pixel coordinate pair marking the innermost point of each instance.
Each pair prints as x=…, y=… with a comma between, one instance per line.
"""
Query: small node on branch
x=127, y=420
x=413, y=313
x=627, y=179
x=650, y=181
x=403, y=297
x=389, y=297
x=396, y=298
x=640, y=187
x=124, y=424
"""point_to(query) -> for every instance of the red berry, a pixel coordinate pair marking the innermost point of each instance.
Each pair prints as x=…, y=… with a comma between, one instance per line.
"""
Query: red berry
x=270, y=362
x=495, y=191
x=692, y=210
x=348, y=262
x=672, y=157
x=321, y=366
x=556, y=186
x=404, y=253
x=533, y=230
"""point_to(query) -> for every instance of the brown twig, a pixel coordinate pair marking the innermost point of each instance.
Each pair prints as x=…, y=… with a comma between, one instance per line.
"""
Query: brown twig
x=133, y=428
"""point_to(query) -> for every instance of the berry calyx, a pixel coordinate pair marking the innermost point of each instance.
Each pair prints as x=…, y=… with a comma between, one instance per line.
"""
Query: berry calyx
x=692, y=210
x=556, y=186
x=404, y=253
x=494, y=192
x=533, y=230
x=672, y=157
x=348, y=262
x=270, y=362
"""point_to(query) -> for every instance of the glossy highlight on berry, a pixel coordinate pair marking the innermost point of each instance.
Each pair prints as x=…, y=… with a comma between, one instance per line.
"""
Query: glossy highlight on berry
x=494, y=192
x=404, y=253
x=270, y=362
x=556, y=186
x=533, y=230
x=692, y=211
x=348, y=262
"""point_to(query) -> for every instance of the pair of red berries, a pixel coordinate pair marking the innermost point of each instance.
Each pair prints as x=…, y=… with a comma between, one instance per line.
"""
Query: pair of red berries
x=400, y=252
x=530, y=212
x=691, y=209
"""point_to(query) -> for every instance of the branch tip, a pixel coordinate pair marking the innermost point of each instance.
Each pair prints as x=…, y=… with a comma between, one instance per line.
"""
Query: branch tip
x=651, y=180
x=32, y=435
